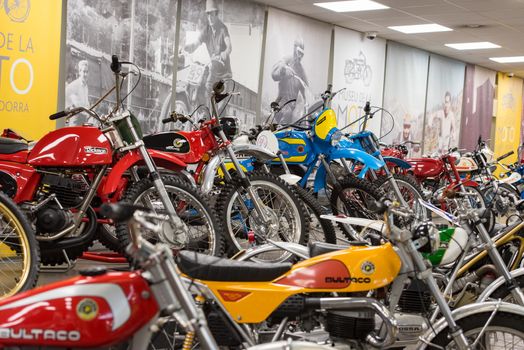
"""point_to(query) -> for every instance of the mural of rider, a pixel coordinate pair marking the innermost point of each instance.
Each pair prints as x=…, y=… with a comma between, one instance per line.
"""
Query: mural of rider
x=215, y=36
x=292, y=81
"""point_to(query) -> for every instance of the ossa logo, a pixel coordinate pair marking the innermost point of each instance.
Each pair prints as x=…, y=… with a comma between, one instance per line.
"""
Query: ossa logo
x=17, y=10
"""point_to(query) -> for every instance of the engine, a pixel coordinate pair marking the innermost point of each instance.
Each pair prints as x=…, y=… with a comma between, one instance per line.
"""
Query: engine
x=69, y=192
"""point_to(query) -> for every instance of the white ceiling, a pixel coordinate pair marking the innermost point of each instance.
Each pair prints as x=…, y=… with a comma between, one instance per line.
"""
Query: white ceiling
x=502, y=23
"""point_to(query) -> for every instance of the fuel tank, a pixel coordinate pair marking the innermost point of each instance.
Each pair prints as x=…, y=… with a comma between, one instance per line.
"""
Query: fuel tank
x=296, y=147
x=426, y=167
x=189, y=146
x=72, y=147
x=80, y=312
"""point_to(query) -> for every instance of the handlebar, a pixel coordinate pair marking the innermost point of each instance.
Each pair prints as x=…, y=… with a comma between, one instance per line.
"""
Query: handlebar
x=505, y=156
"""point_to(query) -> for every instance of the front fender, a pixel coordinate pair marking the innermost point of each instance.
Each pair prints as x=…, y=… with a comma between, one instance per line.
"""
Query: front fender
x=251, y=150
x=369, y=161
x=486, y=294
x=161, y=159
x=466, y=311
x=398, y=162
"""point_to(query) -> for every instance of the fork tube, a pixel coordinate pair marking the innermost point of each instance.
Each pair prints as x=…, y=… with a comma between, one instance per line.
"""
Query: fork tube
x=426, y=275
x=497, y=260
x=283, y=162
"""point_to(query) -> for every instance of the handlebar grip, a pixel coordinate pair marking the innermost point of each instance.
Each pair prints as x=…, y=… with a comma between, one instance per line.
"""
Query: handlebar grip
x=167, y=120
x=274, y=105
x=367, y=108
x=329, y=87
x=218, y=87
x=58, y=115
x=505, y=156
x=115, y=65
x=118, y=211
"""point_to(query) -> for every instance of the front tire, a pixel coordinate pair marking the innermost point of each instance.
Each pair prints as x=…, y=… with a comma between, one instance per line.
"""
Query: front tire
x=19, y=250
x=287, y=221
x=204, y=231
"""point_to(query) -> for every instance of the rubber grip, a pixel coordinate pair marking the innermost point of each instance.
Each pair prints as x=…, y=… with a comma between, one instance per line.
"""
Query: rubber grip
x=117, y=211
x=505, y=156
x=58, y=115
x=167, y=120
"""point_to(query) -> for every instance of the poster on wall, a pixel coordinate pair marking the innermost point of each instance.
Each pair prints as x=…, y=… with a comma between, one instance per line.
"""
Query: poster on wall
x=296, y=64
x=508, y=120
x=479, y=92
x=444, y=104
x=358, y=67
x=220, y=40
x=29, y=61
x=142, y=32
x=405, y=101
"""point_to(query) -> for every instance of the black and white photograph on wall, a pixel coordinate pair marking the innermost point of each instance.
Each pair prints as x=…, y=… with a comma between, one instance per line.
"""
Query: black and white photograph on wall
x=219, y=40
x=142, y=32
x=296, y=64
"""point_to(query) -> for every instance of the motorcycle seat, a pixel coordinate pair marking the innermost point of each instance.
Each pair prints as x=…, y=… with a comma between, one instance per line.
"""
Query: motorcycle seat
x=319, y=248
x=10, y=146
x=212, y=268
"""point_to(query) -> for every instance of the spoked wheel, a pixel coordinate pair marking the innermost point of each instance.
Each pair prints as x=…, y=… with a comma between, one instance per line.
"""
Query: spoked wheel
x=354, y=197
x=502, y=330
x=19, y=250
x=475, y=199
x=285, y=215
x=502, y=202
x=203, y=232
x=410, y=190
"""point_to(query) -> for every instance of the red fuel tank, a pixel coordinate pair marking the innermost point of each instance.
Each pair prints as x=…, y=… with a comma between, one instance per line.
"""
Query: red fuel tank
x=83, y=312
x=426, y=167
x=72, y=147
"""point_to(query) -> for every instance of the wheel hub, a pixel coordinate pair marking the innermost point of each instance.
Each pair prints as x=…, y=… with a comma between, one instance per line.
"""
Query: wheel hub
x=270, y=228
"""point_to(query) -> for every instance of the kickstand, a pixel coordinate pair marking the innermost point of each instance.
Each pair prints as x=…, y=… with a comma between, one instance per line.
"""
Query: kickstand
x=61, y=268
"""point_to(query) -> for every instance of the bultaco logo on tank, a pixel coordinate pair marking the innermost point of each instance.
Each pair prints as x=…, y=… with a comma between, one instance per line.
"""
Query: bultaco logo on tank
x=29, y=64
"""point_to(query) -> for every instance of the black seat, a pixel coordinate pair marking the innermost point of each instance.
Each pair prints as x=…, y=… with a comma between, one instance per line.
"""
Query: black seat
x=211, y=268
x=319, y=248
x=10, y=146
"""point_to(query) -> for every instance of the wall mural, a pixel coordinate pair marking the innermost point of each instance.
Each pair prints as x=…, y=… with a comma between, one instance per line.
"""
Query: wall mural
x=358, y=66
x=29, y=65
x=509, y=107
x=404, y=101
x=477, y=110
x=444, y=104
x=138, y=31
x=220, y=40
x=296, y=64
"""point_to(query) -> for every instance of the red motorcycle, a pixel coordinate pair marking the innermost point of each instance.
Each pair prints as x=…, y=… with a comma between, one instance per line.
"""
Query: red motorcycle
x=67, y=174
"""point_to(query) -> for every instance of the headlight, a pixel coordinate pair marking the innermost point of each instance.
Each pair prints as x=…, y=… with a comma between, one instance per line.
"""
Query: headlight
x=336, y=137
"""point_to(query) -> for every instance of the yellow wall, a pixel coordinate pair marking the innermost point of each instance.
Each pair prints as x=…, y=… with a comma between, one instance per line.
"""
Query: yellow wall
x=29, y=65
x=509, y=107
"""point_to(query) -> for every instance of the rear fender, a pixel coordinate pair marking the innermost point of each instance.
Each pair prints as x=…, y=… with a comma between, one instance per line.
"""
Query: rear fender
x=21, y=178
x=161, y=159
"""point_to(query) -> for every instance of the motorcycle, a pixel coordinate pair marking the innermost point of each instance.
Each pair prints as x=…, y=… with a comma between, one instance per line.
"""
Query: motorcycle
x=281, y=300
x=68, y=173
x=251, y=206
x=101, y=309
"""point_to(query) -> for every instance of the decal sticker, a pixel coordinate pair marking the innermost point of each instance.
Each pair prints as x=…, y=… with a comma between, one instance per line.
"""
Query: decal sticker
x=87, y=309
x=321, y=120
x=367, y=267
x=95, y=150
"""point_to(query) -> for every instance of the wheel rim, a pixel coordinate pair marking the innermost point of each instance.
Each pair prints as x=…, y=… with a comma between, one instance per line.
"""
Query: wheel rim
x=200, y=236
x=14, y=253
x=494, y=337
x=277, y=200
x=355, y=202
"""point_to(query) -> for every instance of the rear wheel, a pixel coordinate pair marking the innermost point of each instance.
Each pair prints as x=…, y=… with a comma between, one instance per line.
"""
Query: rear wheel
x=279, y=203
x=354, y=197
x=19, y=250
x=204, y=233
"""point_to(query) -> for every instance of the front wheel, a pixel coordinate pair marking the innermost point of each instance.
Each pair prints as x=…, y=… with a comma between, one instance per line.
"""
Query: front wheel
x=410, y=190
x=284, y=214
x=19, y=250
x=203, y=234
x=504, y=330
x=354, y=197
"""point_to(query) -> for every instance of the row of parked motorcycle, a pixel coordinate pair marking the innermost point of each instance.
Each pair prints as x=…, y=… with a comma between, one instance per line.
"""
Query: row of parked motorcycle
x=230, y=246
